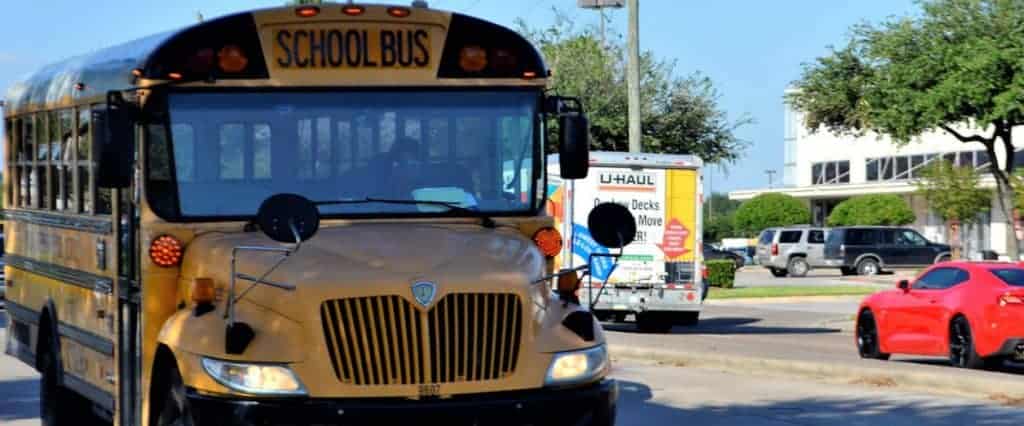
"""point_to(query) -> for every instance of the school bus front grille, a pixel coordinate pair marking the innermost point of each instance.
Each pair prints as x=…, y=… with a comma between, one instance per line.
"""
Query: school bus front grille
x=386, y=340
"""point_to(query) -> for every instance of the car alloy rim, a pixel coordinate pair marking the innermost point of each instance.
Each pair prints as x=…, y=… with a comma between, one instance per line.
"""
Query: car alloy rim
x=959, y=344
x=870, y=269
x=801, y=267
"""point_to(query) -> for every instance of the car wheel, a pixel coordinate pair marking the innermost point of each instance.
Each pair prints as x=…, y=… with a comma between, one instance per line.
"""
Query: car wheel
x=779, y=272
x=944, y=258
x=175, y=410
x=798, y=267
x=739, y=264
x=867, y=337
x=868, y=266
x=961, y=345
x=619, y=316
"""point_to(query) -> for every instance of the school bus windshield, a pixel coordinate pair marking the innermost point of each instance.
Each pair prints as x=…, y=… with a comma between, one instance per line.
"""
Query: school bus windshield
x=222, y=154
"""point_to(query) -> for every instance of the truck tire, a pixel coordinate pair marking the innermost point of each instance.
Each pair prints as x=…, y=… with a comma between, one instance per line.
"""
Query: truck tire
x=653, y=322
x=779, y=273
x=798, y=267
x=688, y=319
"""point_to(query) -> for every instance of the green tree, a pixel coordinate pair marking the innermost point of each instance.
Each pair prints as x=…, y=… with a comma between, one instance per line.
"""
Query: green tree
x=768, y=210
x=955, y=67
x=954, y=193
x=680, y=115
x=872, y=209
x=718, y=216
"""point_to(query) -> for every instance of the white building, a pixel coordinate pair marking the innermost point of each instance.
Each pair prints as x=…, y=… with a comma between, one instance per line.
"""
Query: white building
x=824, y=169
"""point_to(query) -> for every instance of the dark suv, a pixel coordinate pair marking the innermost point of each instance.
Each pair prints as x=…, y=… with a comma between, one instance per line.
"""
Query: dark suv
x=867, y=250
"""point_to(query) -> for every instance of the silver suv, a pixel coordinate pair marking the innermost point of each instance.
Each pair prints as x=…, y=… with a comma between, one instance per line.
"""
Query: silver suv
x=792, y=250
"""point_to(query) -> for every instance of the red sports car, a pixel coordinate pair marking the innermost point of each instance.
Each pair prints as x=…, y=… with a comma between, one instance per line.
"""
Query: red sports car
x=972, y=312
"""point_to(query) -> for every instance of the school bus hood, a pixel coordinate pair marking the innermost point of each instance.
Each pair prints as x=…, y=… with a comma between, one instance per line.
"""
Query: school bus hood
x=359, y=260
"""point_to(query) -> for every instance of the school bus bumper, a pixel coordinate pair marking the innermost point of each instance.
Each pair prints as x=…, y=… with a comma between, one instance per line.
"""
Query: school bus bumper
x=562, y=406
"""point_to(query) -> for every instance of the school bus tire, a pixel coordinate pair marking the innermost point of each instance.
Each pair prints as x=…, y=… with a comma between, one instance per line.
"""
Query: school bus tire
x=58, y=406
x=173, y=405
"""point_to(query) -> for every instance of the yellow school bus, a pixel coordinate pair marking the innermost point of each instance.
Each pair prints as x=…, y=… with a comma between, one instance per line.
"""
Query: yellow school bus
x=298, y=215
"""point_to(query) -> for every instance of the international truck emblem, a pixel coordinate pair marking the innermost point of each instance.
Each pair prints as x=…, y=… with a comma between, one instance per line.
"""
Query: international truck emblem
x=424, y=292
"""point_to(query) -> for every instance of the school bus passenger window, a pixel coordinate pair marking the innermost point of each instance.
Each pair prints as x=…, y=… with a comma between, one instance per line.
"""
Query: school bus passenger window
x=232, y=151
x=25, y=163
x=11, y=148
x=39, y=182
x=261, y=156
x=53, y=151
x=83, y=156
x=65, y=162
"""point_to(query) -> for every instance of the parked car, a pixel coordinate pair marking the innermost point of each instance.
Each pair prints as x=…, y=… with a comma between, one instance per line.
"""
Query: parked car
x=972, y=312
x=713, y=253
x=791, y=250
x=868, y=250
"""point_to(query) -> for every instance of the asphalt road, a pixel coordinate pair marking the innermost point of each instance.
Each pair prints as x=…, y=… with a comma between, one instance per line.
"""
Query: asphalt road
x=664, y=395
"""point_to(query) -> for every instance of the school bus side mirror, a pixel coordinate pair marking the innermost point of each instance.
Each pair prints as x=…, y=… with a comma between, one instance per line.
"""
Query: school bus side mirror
x=114, y=142
x=611, y=225
x=574, y=146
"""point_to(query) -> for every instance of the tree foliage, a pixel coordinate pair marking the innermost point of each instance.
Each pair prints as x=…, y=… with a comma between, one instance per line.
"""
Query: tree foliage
x=954, y=192
x=955, y=67
x=768, y=210
x=872, y=209
x=719, y=212
x=680, y=115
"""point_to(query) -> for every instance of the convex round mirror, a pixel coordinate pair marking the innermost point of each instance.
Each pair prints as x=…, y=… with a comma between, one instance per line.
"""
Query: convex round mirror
x=279, y=213
x=612, y=225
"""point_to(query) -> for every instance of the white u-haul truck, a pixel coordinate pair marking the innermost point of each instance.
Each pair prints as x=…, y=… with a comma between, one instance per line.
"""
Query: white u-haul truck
x=659, y=276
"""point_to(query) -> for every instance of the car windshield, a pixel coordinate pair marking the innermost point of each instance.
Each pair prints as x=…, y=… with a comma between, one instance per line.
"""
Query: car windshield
x=225, y=153
x=1010, y=276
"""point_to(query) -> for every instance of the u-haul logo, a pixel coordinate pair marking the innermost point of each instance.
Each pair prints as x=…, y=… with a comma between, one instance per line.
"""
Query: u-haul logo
x=626, y=182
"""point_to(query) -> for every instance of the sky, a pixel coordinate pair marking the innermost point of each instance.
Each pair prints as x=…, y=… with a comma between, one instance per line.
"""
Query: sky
x=751, y=49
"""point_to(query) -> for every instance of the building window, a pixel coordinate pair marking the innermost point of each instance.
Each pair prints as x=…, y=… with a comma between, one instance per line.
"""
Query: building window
x=871, y=170
x=902, y=167
x=830, y=173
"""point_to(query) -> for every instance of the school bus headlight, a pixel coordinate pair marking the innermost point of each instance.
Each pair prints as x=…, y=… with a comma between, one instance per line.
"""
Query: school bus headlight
x=576, y=367
x=473, y=58
x=259, y=379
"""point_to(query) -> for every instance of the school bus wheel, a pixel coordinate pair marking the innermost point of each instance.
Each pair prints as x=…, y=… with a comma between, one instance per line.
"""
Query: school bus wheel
x=58, y=405
x=174, y=406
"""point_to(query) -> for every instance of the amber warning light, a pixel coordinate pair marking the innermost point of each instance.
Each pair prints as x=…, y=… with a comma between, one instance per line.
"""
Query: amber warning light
x=549, y=241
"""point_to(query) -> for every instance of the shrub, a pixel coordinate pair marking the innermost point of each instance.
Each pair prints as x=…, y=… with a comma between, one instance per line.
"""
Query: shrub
x=721, y=273
x=768, y=210
x=872, y=210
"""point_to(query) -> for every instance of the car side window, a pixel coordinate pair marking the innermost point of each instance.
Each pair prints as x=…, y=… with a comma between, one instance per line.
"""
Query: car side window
x=907, y=237
x=790, y=237
x=886, y=236
x=860, y=236
x=941, y=279
x=816, y=237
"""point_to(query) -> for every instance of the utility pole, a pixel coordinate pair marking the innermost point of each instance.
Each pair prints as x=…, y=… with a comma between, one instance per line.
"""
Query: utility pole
x=633, y=76
x=771, y=174
x=600, y=6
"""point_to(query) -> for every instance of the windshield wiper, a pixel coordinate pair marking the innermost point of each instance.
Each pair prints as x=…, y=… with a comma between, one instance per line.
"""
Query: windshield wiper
x=485, y=220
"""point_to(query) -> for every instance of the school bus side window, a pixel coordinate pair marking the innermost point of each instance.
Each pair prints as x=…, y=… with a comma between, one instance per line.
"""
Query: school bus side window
x=65, y=162
x=83, y=156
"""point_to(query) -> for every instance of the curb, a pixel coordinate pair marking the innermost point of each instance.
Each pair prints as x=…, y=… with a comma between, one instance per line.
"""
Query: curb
x=981, y=385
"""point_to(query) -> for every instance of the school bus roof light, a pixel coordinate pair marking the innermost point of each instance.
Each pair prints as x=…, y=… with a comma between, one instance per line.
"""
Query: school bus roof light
x=399, y=12
x=352, y=10
x=232, y=59
x=174, y=75
x=529, y=75
x=307, y=11
x=137, y=72
x=166, y=251
x=549, y=241
x=473, y=59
